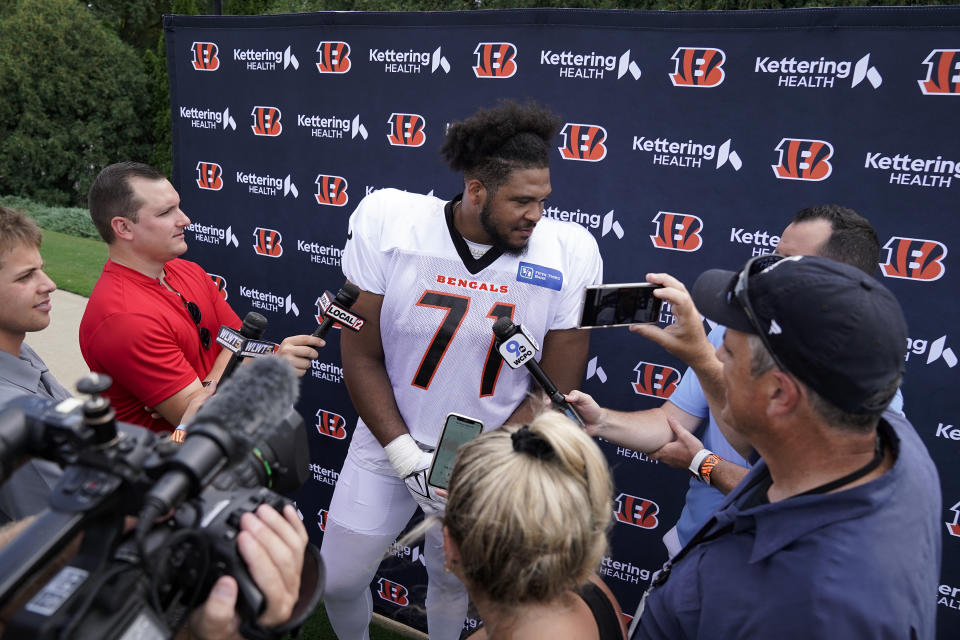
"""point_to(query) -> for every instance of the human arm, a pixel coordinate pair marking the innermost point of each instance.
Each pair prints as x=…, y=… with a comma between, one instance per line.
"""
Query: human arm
x=680, y=453
x=365, y=373
x=686, y=340
x=644, y=431
x=272, y=545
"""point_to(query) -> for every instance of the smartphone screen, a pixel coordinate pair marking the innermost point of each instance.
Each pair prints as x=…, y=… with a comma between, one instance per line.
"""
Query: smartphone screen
x=457, y=431
x=617, y=305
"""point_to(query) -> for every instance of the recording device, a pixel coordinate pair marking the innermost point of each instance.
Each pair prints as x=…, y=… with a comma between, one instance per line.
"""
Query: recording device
x=457, y=431
x=252, y=328
x=337, y=310
x=518, y=348
x=618, y=305
x=244, y=441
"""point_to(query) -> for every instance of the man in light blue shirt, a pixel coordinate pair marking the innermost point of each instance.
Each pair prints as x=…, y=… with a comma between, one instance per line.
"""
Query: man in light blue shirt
x=666, y=432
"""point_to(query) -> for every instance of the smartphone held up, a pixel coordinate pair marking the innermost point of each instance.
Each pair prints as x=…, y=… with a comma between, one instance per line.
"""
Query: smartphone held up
x=619, y=305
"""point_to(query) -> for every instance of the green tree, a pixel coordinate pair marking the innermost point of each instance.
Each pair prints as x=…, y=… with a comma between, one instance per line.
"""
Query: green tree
x=74, y=100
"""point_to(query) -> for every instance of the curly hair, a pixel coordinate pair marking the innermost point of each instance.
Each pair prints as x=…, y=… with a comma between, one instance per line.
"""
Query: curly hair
x=530, y=525
x=493, y=142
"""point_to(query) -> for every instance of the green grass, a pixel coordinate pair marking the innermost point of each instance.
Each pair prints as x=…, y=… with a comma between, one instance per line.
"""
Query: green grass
x=73, y=263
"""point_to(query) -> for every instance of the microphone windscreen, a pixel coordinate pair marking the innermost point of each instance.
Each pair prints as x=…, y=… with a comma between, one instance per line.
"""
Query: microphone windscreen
x=503, y=327
x=348, y=294
x=262, y=391
x=253, y=325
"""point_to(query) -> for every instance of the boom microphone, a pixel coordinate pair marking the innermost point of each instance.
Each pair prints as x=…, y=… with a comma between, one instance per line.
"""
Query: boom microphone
x=518, y=348
x=251, y=418
x=252, y=328
x=333, y=312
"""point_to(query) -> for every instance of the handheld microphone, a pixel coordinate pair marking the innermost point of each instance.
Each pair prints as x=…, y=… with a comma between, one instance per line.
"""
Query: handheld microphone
x=518, y=348
x=252, y=328
x=249, y=422
x=335, y=310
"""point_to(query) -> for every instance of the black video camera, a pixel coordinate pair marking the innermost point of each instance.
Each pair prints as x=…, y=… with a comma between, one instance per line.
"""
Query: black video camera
x=243, y=445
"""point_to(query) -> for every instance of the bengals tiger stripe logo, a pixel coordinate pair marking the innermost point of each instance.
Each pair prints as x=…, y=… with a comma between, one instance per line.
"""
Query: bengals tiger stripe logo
x=583, y=142
x=330, y=424
x=495, y=60
x=205, y=56
x=655, y=380
x=267, y=242
x=266, y=121
x=914, y=259
x=677, y=231
x=221, y=284
x=943, y=73
x=636, y=511
x=698, y=67
x=393, y=592
x=209, y=176
x=407, y=130
x=331, y=190
x=333, y=57
x=802, y=159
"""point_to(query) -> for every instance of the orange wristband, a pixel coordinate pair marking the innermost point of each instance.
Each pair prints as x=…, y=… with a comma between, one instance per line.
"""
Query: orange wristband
x=707, y=466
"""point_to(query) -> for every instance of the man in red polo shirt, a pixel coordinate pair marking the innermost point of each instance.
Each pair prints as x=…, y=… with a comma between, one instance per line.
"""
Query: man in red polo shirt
x=152, y=319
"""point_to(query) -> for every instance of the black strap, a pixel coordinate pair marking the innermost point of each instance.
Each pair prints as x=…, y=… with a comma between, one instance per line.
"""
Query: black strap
x=856, y=475
x=608, y=623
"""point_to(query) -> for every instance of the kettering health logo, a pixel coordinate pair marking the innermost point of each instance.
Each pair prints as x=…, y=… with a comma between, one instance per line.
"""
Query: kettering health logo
x=331, y=126
x=269, y=301
x=818, y=73
x=200, y=118
x=687, y=154
x=906, y=170
x=410, y=61
x=591, y=65
x=266, y=59
x=267, y=185
x=606, y=223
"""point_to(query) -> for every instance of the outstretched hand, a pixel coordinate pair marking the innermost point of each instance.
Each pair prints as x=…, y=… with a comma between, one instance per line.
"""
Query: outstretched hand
x=685, y=338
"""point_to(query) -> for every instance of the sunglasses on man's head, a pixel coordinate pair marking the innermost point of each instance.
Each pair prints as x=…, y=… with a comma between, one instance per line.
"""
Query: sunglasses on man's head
x=740, y=291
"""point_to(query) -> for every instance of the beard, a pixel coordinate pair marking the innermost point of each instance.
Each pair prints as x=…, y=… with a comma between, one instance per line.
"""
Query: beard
x=499, y=238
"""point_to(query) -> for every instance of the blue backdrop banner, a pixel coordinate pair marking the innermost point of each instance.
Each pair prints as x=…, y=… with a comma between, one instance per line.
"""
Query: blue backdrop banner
x=690, y=140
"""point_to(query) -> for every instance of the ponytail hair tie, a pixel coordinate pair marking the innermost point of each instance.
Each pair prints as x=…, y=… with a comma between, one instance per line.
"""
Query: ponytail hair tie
x=526, y=441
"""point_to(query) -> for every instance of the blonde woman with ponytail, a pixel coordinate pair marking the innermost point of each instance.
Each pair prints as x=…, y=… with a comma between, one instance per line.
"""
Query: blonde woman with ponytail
x=525, y=528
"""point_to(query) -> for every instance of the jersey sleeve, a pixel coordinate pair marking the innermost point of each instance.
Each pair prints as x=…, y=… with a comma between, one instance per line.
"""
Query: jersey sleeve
x=141, y=354
x=689, y=395
x=363, y=258
x=584, y=266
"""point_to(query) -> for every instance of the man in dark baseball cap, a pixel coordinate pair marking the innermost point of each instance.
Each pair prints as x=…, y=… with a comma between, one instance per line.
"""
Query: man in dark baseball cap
x=835, y=532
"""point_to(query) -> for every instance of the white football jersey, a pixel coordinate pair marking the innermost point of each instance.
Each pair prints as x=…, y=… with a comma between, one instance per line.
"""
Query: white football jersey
x=439, y=306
